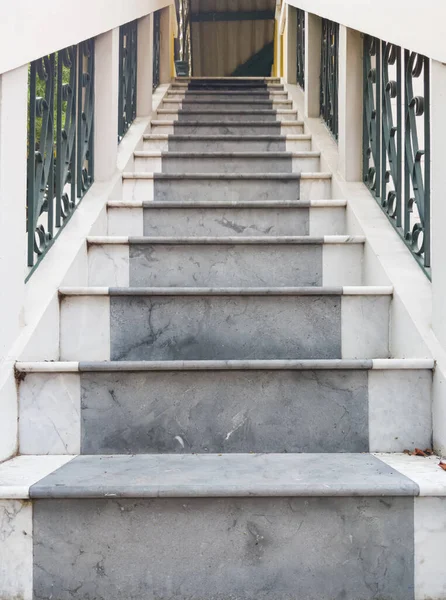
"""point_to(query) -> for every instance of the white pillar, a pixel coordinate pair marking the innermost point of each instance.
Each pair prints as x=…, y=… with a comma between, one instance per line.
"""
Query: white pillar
x=13, y=155
x=165, y=46
x=145, y=67
x=106, y=104
x=291, y=45
x=313, y=34
x=350, y=104
x=438, y=205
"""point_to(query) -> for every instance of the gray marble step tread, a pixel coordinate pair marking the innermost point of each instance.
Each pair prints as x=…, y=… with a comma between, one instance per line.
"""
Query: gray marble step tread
x=227, y=155
x=223, y=123
x=156, y=204
x=226, y=475
x=218, y=176
x=233, y=291
x=228, y=138
x=247, y=102
x=386, y=364
x=227, y=240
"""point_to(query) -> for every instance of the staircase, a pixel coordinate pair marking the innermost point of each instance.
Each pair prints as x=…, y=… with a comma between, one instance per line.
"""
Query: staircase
x=226, y=393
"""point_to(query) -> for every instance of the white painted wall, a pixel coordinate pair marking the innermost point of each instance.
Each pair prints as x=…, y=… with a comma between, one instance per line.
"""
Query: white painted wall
x=30, y=29
x=421, y=28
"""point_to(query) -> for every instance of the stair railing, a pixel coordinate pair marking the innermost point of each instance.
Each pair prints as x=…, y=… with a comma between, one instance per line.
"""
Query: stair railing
x=60, y=142
x=128, y=66
x=396, y=138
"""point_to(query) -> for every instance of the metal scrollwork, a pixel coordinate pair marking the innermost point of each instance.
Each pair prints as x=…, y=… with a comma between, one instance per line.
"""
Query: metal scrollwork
x=40, y=215
x=391, y=133
x=396, y=158
x=329, y=75
x=60, y=140
x=417, y=156
x=128, y=35
x=85, y=162
x=372, y=117
x=156, y=48
x=301, y=48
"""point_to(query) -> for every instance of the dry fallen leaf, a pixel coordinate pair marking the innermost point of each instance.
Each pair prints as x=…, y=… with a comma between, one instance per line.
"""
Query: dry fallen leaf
x=442, y=465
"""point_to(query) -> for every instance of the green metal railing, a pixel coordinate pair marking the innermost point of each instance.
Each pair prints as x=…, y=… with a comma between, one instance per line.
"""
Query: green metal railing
x=330, y=75
x=60, y=142
x=156, y=48
x=300, y=74
x=128, y=65
x=396, y=139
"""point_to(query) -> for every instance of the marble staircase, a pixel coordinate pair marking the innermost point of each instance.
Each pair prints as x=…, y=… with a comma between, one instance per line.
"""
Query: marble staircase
x=227, y=418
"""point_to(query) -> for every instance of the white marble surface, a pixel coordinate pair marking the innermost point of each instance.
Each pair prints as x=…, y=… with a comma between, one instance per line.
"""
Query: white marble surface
x=424, y=471
x=315, y=186
x=19, y=474
x=162, y=126
x=430, y=547
x=400, y=410
x=155, y=144
x=85, y=328
x=295, y=143
x=365, y=326
x=307, y=163
x=138, y=189
x=151, y=164
x=49, y=413
x=125, y=221
x=16, y=550
x=342, y=264
x=109, y=264
x=291, y=128
x=327, y=221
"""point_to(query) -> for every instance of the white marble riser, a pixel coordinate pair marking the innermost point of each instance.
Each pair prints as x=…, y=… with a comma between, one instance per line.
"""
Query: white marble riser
x=140, y=188
x=223, y=263
x=132, y=411
x=206, y=324
x=169, y=127
x=131, y=219
x=297, y=163
x=226, y=115
x=177, y=96
x=223, y=103
x=41, y=537
x=153, y=143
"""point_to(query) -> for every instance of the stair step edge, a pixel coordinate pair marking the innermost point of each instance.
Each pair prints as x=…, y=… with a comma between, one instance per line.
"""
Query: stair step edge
x=233, y=240
x=19, y=474
x=233, y=176
x=240, y=155
x=149, y=137
x=387, y=364
x=233, y=291
x=154, y=204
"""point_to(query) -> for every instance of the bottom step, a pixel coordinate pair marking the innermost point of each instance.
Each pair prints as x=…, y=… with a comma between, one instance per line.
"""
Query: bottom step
x=280, y=527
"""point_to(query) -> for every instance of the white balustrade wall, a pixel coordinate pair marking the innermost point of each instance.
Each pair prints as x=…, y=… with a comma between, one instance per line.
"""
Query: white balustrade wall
x=418, y=320
x=29, y=30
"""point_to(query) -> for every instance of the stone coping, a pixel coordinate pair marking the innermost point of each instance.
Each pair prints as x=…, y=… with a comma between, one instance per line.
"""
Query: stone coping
x=398, y=364
x=157, y=204
x=232, y=291
x=225, y=475
x=232, y=240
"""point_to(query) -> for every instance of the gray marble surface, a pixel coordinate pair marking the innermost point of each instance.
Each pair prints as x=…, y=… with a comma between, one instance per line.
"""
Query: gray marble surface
x=226, y=116
x=225, y=475
x=245, y=128
x=226, y=221
x=224, y=327
x=219, y=549
x=227, y=164
x=214, y=265
x=232, y=189
x=277, y=144
x=230, y=411
x=224, y=104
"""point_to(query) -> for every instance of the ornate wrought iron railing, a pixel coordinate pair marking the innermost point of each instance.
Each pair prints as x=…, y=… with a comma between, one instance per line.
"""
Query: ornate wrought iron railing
x=396, y=139
x=329, y=75
x=156, y=48
x=300, y=75
x=128, y=63
x=60, y=142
